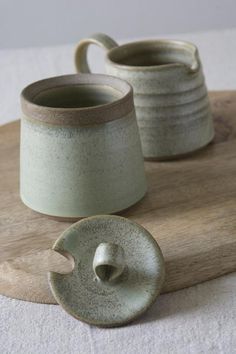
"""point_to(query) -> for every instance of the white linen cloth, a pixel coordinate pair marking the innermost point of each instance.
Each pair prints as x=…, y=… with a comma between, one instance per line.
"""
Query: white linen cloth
x=200, y=319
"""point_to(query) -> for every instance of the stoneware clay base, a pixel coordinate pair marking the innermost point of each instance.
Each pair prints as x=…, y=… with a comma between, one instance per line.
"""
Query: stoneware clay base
x=190, y=209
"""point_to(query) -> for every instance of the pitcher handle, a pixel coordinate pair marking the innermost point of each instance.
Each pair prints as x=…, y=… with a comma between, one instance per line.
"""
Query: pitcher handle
x=100, y=39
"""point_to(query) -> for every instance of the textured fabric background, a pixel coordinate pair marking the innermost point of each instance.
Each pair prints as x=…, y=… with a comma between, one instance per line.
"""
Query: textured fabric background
x=200, y=319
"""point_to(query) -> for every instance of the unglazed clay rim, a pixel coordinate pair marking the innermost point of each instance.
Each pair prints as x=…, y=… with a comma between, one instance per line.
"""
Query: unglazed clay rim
x=170, y=43
x=158, y=287
x=81, y=116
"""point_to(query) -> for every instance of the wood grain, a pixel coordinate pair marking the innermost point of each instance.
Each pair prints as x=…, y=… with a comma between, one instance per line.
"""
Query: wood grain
x=190, y=209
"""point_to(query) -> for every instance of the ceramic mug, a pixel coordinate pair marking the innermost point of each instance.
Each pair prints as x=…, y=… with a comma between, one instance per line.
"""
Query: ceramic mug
x=170, y=94
x=80, y=146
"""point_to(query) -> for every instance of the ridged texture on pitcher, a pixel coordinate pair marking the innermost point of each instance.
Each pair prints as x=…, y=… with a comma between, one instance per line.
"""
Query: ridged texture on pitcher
x=170, y=94
x=172, y=107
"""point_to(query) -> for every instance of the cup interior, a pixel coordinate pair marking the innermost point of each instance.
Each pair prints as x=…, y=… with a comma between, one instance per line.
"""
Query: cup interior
x=153, y=53
x=77, y=96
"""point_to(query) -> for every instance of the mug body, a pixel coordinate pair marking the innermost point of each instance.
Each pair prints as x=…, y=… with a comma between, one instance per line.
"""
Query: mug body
x=80, y=149
x=170, y=95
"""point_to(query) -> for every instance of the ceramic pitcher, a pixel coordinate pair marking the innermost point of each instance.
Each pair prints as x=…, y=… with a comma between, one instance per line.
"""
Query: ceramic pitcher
x=80, y=146
x=170, y=94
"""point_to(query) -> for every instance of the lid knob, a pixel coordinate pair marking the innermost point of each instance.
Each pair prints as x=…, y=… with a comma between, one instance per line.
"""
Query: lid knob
x=108, y=261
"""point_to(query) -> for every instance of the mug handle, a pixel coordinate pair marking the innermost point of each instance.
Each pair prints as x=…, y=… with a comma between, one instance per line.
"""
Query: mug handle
x=100, y=39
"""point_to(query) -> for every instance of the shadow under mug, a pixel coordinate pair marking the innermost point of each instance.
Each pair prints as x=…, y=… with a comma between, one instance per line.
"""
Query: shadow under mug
x=170, y=94
x=80, y=152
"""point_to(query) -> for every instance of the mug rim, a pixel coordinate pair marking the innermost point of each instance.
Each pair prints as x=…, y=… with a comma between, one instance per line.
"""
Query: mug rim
x=78, y=116
x=171, y=43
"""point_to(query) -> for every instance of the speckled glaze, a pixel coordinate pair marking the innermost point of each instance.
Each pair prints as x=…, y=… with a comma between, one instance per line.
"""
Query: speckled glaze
x=170, y=94
x=80, y=147
x=129, y=281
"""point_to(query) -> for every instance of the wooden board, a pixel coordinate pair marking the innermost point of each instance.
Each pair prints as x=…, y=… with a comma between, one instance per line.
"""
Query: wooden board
x=190, y=209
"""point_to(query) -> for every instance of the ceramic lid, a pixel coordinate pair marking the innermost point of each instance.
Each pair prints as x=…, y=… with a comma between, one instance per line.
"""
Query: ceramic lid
x=118, y=271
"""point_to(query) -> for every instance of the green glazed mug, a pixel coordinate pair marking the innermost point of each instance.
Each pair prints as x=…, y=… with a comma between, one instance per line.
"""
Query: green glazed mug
x=170, y=94
x=80, y=151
